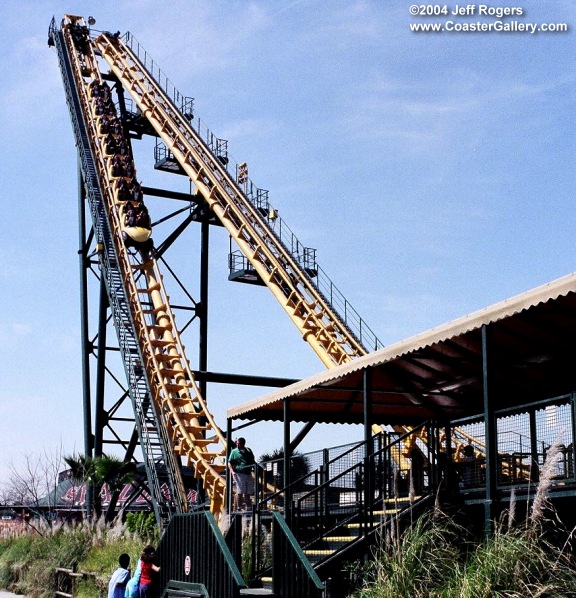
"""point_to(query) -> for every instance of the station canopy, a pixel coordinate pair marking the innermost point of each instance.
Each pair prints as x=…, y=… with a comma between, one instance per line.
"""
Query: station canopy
x=439, y=374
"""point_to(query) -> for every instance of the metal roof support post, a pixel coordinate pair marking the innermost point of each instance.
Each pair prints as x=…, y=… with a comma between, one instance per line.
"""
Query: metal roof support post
x=287, y=455
x=434, y=473
x=448, y=466
x=437, y=471
x=431, y=449
x=367, y=404
x=490, y=433
x=534, y=466
x=368, y=458
x=229, y=504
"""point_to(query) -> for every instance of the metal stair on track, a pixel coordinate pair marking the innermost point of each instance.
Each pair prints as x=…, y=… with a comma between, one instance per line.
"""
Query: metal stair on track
x=158, y=461
x=331, y=518
x=352, y=536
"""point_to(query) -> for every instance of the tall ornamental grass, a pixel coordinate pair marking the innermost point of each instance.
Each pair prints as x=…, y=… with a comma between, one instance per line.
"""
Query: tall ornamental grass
x=437, y=558
x=28, y=562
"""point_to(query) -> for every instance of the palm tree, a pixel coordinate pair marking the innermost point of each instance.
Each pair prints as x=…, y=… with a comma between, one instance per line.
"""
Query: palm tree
x=299, y=467
x=115, y=473
x=82, y=468
x=100, y=471
x=83, y=471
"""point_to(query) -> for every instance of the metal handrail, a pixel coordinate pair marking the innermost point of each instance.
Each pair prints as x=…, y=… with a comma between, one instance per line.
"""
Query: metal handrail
x=284, y=234
x=315, y=503
x=292, y=574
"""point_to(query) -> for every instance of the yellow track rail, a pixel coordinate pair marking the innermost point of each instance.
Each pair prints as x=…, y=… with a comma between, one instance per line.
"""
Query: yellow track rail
x=176, y=397
x=316, y=320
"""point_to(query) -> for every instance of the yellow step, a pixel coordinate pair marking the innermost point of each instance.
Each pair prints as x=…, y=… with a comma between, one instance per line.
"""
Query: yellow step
x=156, y=309
x=318, y=552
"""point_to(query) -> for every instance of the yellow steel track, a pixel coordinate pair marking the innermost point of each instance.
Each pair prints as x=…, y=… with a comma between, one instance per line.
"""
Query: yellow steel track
x=314, y=317
x=312, y=314
x=176, y=398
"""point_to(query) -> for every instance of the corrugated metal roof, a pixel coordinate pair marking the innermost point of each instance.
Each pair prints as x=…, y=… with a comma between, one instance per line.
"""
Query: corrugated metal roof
x=417, y=374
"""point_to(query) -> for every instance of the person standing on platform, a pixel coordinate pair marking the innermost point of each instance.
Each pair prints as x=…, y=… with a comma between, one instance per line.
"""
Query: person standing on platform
x=241, y=462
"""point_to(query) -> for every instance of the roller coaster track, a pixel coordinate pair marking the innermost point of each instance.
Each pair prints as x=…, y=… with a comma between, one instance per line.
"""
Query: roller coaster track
x=180, y=425
x=171, y=417
x=323, y=316
x=280, y=270
x=328, y=329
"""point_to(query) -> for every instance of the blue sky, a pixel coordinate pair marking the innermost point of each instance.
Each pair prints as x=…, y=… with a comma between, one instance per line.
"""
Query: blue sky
x=433, y=173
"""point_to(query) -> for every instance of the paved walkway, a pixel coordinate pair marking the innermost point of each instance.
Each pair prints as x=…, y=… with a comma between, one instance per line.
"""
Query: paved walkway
x=5, y=594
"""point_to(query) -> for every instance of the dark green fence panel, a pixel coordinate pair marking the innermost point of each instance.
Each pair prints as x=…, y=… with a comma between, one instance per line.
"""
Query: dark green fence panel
x=193, y=550
x=234, y=539
x=293, y=576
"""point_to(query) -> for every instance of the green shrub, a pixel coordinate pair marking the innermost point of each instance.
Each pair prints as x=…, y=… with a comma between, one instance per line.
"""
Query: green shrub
x=14, y=554
x=264, y=551
x=418, y=564
x=515, y=563
x=91, y=588
x=144, y=525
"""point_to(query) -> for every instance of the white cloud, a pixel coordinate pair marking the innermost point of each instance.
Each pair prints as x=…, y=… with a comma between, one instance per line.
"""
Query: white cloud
x=249, y=128
x=422, y=118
